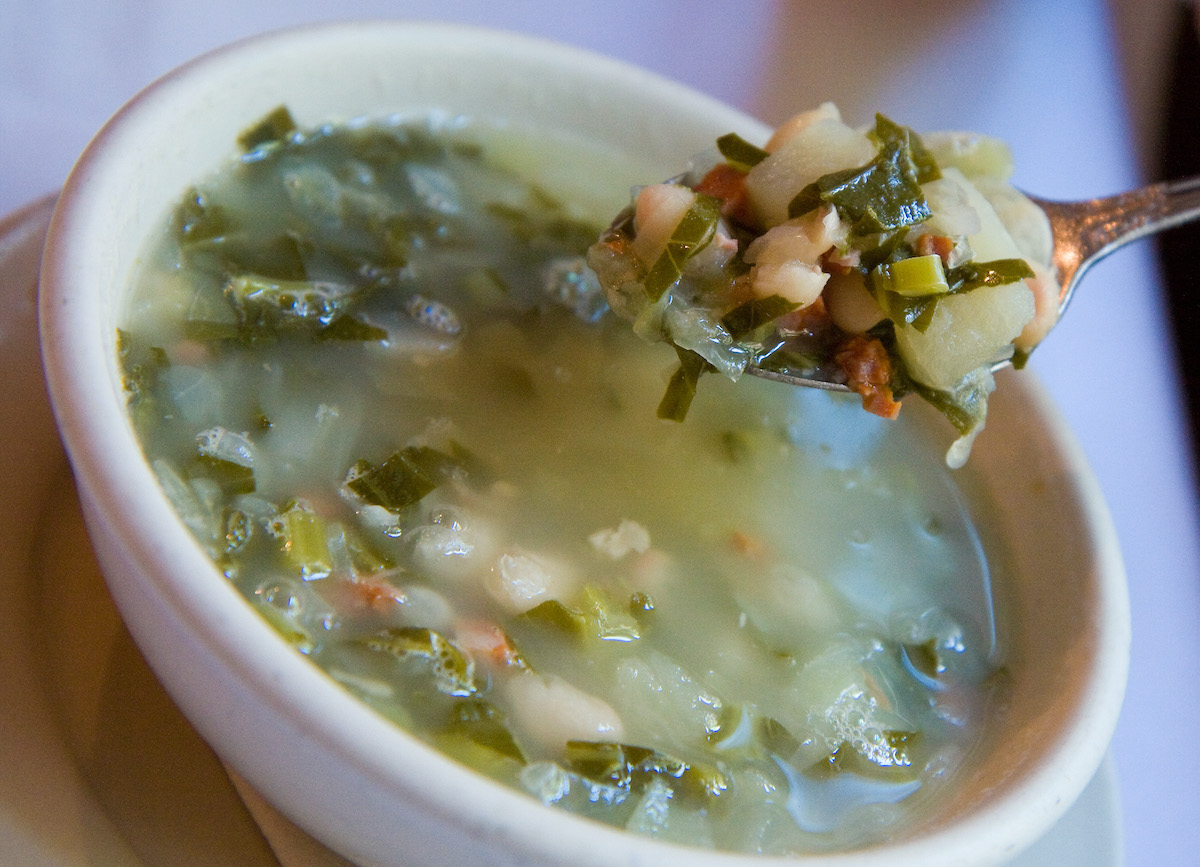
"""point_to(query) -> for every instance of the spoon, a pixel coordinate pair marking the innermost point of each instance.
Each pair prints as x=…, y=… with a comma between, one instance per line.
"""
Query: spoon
x=1083, y=233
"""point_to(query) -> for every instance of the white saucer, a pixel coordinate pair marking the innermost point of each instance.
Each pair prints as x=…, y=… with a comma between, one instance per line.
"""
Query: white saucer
x=98, y=767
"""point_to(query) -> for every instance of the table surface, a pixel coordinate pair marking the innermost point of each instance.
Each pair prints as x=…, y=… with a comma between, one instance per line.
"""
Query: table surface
x=1073, y=85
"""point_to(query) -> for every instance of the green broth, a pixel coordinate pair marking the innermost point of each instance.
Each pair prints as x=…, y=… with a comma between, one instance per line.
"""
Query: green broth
x=379, y=387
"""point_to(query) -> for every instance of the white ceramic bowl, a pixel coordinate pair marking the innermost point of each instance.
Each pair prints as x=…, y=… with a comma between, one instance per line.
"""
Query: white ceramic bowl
x=346, y=775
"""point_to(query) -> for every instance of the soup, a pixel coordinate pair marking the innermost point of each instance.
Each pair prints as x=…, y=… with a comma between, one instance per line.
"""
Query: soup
x=871, y=259
x=380, y=386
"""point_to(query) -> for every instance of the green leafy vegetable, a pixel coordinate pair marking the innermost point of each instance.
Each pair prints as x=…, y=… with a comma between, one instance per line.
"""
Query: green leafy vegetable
x=559, y=616
x=140, y=368
x=882, y=196
x=776, y=738
x=403, y=479
x=351, y=328
x=196, y=219
x=916, y=303
x=740, y=153
x=238, y=530
x=452, y=671
x=277, y=125
x=889, y=758
x=972, y=275
x=682, y=386
x=482, y=723
x=609, y=620
x=925, y=658
x=632, y=767
x=888, y=131
x=751, y=315
x=692, y=235
x=301, y=534
x=965, y=407
x=232, y=477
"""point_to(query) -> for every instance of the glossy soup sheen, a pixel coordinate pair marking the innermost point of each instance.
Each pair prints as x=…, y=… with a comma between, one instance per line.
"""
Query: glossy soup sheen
x=382, y=390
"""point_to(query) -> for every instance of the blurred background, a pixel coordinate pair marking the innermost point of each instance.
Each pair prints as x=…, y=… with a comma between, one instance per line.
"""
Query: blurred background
x=1095, y=96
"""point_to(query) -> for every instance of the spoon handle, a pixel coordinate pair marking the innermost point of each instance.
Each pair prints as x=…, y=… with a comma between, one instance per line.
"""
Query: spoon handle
x=1085, y=232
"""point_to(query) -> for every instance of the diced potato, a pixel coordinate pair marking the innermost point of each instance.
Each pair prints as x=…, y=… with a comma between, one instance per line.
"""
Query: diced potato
x=549, y=711
x=967, y=331
x=1026, y=222
x=951, y=208
x=992, y=241
x=825, y=146
x=973, y=154
x=660, y=696
x=792, y=127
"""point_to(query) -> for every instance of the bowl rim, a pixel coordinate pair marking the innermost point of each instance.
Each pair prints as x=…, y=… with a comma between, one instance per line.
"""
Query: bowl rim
x=109, y=468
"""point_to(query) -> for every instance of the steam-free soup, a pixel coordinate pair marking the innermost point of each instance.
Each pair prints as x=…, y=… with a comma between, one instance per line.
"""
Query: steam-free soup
x=382, y=389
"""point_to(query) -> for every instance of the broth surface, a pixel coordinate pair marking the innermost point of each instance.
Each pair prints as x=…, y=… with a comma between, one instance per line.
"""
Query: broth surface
x=382, y=389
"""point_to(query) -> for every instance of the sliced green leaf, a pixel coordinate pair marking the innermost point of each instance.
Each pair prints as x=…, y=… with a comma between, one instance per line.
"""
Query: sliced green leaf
x=740, y=153
x=887, y=131
x=609, y=621
x=883, y=195
x=351, y=328
x=972, y=275
x=751, y=315
x=682, y=386
x=232, y=477
x=452, y=671
x=403, y=479
x=275, y=126
x=196, y=219
x=564, y=618
x=631, y=768
x=694, y=232
x=482, y=723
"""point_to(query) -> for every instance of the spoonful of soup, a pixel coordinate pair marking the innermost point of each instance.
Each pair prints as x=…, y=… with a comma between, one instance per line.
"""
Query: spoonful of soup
x=876, y=261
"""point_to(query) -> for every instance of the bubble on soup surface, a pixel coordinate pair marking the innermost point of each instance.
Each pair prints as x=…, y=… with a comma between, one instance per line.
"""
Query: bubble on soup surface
x=452, y=544
x=434, y=315
x=571, y=283
x=225, y=445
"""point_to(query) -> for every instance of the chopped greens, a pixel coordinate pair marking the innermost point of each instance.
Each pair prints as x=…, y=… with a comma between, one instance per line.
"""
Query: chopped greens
x=682, y=387
x=402, y=479
x=273, y=128
x=740, y=153
x=694, y=232
x=880, y=197
x=754, y=314
x=452, y=671
x=792, y=273
x=630, y=768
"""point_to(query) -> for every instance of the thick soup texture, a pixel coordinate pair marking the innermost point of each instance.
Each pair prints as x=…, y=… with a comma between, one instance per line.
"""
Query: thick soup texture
x=382, y=389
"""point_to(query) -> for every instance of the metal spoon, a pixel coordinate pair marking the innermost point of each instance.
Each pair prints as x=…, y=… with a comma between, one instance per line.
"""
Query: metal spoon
x=1083, y=233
